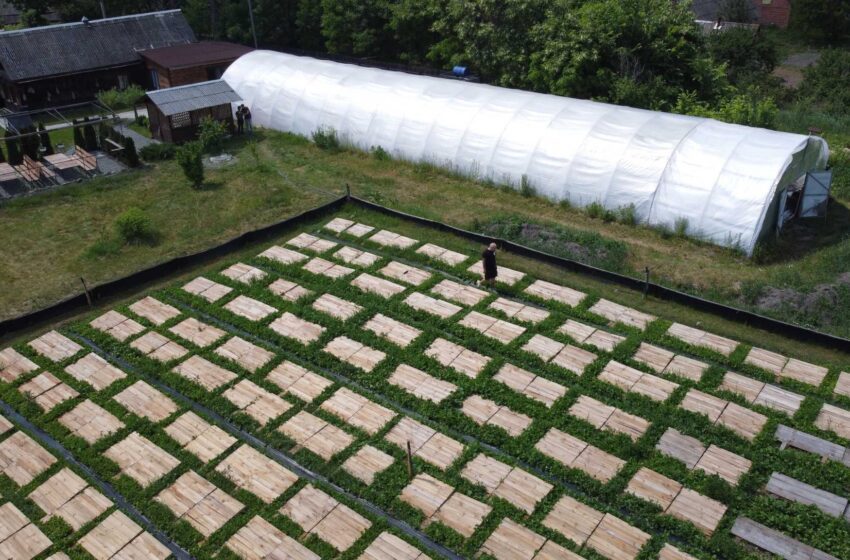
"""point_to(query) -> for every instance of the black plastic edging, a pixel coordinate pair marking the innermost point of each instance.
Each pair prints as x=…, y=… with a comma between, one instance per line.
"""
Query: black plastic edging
x=79, y=302
x=107, y=489
x=724, y=311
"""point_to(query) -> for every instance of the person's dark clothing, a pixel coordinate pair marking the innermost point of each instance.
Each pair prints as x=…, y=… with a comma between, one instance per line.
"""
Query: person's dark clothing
x=239, y=122
x=489, y=258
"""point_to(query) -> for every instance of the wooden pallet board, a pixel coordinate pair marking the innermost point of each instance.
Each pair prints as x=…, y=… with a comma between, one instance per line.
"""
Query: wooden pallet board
x=13, y=365
x=433, y=306
x=426, y=443
x=553, y=292
x=256, y=402
x=316, y=435
x=22, y=458
x=297, y=381
x=396, y=332
x=634, y=381
x=327, y=269
x=686, y=449
x=834, y=419
x=804, y=372
x=310, y=242
x=55, y=347
x=198, y=437
x=244, y=273
x=446, y=256
x=95, y=371
x=615, y=539
x=725, y=464
x=420, y=384
x=291, y=326
x=290, y=291
x=26, y=543
x=703, y=512
x=249, y=308
x=354, y=353
x=337, y=308
x=319, y=514
x=766, y=360
x=89, y=421
x=154, y=310
x=356, y=257
x=249, y=356
x=338, y=225
x=688, y=368
x=359, y=230
x=463, y=294
x=119, y=537
x=575, y=453
x=698, y=337
x=457, y=357
x=387, y=238
x=653, y=356
x=793, y=490
x=260, y=540
x=283, y=255
x=842, y=386
x=203, y=372
x=519, y=311
x=358, y=411
x=159, y=348
x=207, y=289
x=116, y=325
x=617, y=313
x=367, y=463
x=69, y=497
x=146, y=402
x=512, y=541
x=405, y=273
x=484, y=411
x=775, y=542
x=140, y=459
x=504, y=275
x=532, y=386
x=253, y=472
x=573, y=519
x=378, y=286
x=389, y=547
x=199, y=502
x=492, y=327
x=47, y=390
x=653, y=487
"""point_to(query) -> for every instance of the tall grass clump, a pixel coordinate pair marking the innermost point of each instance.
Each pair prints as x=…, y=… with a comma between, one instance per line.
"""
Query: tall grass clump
x=326, y=138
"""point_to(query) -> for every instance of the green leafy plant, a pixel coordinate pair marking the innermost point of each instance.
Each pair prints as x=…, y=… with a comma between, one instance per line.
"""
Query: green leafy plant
x=118, y=99
x=135, y=227
x=525, y=187
x=190, y=158
x=680, y=227
x=380, y=154
x=211, y=135
x=627, y=215
x=326, y=139
x=157, y=151
x=130, y=155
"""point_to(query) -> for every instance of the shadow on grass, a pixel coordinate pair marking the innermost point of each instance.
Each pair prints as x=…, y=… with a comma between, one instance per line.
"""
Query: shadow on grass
x=802, y=237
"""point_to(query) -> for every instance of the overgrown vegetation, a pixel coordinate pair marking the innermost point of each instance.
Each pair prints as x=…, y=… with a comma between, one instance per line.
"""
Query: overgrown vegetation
x=158, y=151
x=211, y=135
x=120, y=99
x=190, y=158
x=135, y=226
x=326, y=139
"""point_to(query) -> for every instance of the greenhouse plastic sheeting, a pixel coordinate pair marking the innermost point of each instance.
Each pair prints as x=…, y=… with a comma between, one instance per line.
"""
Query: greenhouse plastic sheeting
x=719, y=179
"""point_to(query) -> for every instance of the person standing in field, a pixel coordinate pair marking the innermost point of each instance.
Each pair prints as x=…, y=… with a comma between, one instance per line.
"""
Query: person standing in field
x=240, y=119
x=249, y=127
x=488, y=260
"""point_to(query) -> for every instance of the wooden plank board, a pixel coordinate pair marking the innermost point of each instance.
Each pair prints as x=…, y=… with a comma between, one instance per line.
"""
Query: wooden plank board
x=766, y=360
x=804, y=372
x=298, y=381
x=653, y=487
x=460, y=293
x=13, y=365
x=22, y=458
x=47, y=390
x=425, y=443
x=55, y=346
x=670, y=552
x=207, y=289
x=290, y=291
x=812, y=444
x=247, y=355
x=512, y=541
x=746, y=423
x=291, y=326
x=359, y=230
x=525, y=491
x=617, y=313
x=451, y=258
x=396, y=332
x=617, y=540
x=462, y=513
x=746, y=387
x=283, y=255
x=792, y=489
x=249, y=308
x=367, y=463
x=655, y=357
x=312, y=243
x=842, y=386
x=355, y=353
x=313, y=433
x=389, y=547
x=457, y=357
x=544, y=347
x=573, y=519
x=504, y=275
x=574, y=359
x=110, y=536
x=519, y=311
x=378, y=286
x=199, y=438
x=338, y=225
x=327, y=269
x=199, y=502
x=420, y=384
x=433, y=306
x=146, y=402
x=252, y=471
x=779, y=399
x=90, y=422
x=243, y=273
x=154, y=310
x=350, y=255
x=260, y=540
x=775, y=542
x=405, y=273
x=203, y=372
x=140, y=459
x=725, y=464
x=553, y=292
x=426, y=493
x=703, y=403
x=697, y=337
x=95, y=371
x=576, y=330
x=357, y=410
x=686, y=367
x=687, y=449
x=116, y=325
x=256, y=402
x=337, y=308
x=703, y=512
x=157, y=347
x=388, y=238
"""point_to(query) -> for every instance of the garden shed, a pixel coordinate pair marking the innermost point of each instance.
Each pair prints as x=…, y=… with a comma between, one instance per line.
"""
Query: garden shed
x=175, y=113
x=724, y=183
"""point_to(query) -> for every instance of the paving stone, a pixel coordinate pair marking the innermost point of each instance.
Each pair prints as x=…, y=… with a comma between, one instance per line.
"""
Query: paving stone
x=140, y=459
x=653, y=487
x=697, y=337
x=804, y=372
x=573, y=519
x=316, y=435
x=355, y=353
x=367, y=463
x=90, y=422
x=617, y=540
x=617, y=313
x=655, y=357
x=704, y=513
x=146, y=402
x=290, y=291
x=54, y=346
x=13, y=365
x=519, y=311
x=687, y=449
x=207, y=289
x=256, y=402
x=283, y=255
x=459, y=293
x=244, y=273
x=420, y=384
x=512, y=541
x=336, y=307
x=388, y=238
x=350, y=255
x=22, y=459
x=317, y=513
x=297, y=381
x=159, y=348
x=338, y=225
x=200, y=503
x=47, y=390
x=834, y=419
x=311, y=243
x=492, y=327
x=198, y=437
x=378, y=286
x=457, y=357
x=260, y=540
x=725, y=464
x=247, y=355
x=249, y=308
x=438, y=307
x=451, y=258
x=505, y=275
x=389, y=547
x=358, y=411
x=405, y=273
x=252, y=471
x=427, y=444
x=400, y=334
x=327, y=268
x=204, y=373
x=197, y=332
x=118, y=326
x=359, y=230
x=154, y=310
x=296, y=328
x=553, y=292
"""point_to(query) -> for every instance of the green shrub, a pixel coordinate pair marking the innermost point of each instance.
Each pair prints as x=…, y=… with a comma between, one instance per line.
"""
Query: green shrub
x=326, y=139
x=595, y=210
x=211, y=135
x=827, y=83
x=190, y=158
x=121, y=99
x=627, y=215
x=134, y=227
x=380, y=153
x=157, y=152
x=525, y=188
x=680, y=227
x=130, y=155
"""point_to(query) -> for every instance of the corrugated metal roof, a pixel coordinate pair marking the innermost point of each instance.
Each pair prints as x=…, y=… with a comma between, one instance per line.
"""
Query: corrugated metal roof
x=195, y=54
x=192, y=97
x=69, y=48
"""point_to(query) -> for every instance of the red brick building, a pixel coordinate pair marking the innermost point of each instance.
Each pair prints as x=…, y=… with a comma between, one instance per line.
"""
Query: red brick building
x=191, y=63
x=773, y=12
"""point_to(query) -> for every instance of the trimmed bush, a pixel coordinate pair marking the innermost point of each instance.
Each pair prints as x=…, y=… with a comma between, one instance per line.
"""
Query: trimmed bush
x=134, y=227
x=131, y=156
x=157, y=152
x=189, y=157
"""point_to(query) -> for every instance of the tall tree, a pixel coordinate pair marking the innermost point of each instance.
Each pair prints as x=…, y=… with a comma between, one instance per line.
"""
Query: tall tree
x=823, y=22
x=358, y=27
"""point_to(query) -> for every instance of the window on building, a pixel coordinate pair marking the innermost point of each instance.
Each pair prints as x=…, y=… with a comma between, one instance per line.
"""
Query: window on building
x=154, y=79
x=123, y=81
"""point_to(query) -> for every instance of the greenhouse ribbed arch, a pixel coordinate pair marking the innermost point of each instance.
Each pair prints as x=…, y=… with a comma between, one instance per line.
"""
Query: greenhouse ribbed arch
x=723, y=183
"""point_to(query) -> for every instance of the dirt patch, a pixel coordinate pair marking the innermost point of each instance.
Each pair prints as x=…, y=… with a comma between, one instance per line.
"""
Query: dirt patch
x=823, y=301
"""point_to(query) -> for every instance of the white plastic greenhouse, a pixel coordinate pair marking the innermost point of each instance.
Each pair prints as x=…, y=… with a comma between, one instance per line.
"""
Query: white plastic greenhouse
x=726, y=182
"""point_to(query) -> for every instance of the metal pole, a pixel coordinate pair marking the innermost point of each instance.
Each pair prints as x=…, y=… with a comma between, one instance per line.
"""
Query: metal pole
x=253, y=29
x=102, y=9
